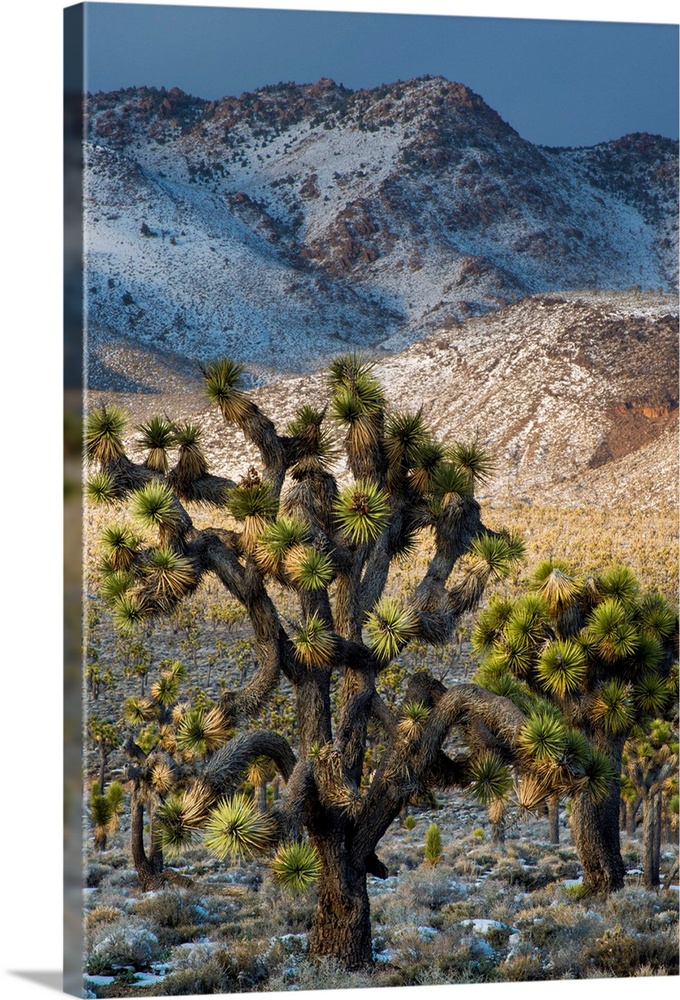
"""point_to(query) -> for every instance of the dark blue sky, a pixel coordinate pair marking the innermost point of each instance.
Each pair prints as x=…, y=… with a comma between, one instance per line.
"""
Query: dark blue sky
x=556, y=82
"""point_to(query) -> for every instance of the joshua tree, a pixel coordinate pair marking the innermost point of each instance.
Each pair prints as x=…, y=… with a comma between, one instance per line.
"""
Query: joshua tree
x=330, y=543
x=650, y=761
x=105, y=810
x=107, y=737
x=593, y=654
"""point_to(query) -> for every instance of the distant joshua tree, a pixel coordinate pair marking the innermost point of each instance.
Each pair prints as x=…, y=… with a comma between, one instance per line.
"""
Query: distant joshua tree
x=589, y=659
x=331, y=545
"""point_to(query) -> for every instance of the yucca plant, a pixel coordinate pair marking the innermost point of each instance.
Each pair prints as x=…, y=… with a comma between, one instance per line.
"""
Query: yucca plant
x=602, y=653
x=650, y=760
x=129, y=612
x=405, y=435
x=490, y=778
x=199, y=732
x=308, y=559
x=434, y=847
x=224, y=385
x=276, y=541
x=314, y=642
x=390, y=627
x=473, y=460
x=155, y=507
x=308, y=568
x=362, y=511
x=236, y=828
x=296, y=866
x=101, y=489
x=414, y=715
x=157, y=435
x=169, y=575
x=120, y=546
x=116, y=583
x=103, y=429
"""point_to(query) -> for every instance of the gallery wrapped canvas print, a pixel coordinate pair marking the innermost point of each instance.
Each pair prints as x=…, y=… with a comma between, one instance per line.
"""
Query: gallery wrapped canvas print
x=377, y=321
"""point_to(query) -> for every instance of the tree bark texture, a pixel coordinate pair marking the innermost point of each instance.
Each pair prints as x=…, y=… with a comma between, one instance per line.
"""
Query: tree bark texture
x=595, y=828
x=341, y=923
x=554, y=819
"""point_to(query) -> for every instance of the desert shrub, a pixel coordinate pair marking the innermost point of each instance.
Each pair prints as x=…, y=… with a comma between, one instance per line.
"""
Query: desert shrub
x=639, y=909
x=620, y=953
x=523, y=968
x=168, y=908
x=210, y=968
x=101, y=915
x=324, y=974
x=430, y=888
x=125, y=943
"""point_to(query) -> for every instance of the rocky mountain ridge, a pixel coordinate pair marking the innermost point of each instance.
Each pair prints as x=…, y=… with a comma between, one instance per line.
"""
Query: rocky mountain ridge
x=284, y=225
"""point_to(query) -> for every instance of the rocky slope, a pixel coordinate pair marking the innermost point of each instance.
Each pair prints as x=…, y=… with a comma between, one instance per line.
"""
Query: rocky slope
x=575, y=395
x=282, y=225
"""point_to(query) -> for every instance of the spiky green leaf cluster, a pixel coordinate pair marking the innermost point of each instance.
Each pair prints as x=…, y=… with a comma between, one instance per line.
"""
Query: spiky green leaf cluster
x=556, y=584
x=154, y=506
x=277, y=539
x=657, y=618
x=101, y=489
x=166, y=689
x=405, y=435
x=609, y=628
x=224, y=385
x=491, y=778
x=434, y=847
x=200, y=733
x=414, y=715
x=116, y=583
x=258, y=501
x=310, y=569
x=429, y=457
x=612, y=705
x=170, y=575
x=103, y=429
x=494, y=555
x=236, y=828
x=296, y=866
x=543, y=737
x=389, y=627
x=314, y=642
x=471, y=459
x=129, y=613
x=490, y=624
x=173, y=833
x=120, y=546
x=619, y=583
x=448, y=483
x=651, y=693
x=562, y=667
x=157, y=434
x=598, y=774
x=362, y=510
x=192, y=463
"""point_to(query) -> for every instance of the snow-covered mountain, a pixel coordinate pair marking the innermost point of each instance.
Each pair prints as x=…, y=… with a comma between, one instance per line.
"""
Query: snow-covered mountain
x=281, y=226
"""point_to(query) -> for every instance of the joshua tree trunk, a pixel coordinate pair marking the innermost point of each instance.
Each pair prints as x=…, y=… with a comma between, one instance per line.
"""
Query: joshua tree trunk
x=149, y=867
x=341, y=924
x=632, y=809
x=651, y=840
x=595, y=829
x=554, y=818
